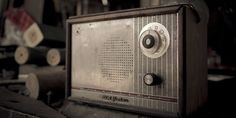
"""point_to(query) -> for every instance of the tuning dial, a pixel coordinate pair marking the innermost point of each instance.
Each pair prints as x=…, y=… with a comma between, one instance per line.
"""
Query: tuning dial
x=151, y=79
x=154, y=40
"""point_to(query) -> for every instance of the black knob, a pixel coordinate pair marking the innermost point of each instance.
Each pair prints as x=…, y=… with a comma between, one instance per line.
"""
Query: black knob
x=148, y=41
x=152, y=79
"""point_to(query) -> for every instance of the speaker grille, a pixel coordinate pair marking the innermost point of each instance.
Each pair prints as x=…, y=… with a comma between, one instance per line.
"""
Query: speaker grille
x=116, y=60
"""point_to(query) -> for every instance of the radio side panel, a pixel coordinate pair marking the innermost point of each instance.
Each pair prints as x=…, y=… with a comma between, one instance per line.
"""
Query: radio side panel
x=195, y=63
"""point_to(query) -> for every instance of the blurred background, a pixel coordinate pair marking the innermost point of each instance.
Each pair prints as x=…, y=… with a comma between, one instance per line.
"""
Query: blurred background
x=32, y=49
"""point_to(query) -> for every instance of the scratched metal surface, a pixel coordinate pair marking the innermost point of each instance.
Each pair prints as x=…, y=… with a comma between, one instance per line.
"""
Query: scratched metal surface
x=108, y=65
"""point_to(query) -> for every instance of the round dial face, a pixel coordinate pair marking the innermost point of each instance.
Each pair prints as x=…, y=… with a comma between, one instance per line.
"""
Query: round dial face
x=154, y=40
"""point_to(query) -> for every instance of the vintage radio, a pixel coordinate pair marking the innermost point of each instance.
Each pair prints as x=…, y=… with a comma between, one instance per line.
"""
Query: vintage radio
x=148, y=60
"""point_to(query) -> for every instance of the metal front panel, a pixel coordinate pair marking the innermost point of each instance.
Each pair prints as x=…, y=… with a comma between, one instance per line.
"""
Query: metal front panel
x=108, y=65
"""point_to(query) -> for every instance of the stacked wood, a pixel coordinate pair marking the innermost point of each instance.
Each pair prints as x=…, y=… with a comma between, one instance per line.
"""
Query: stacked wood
x=24, y=55
x=35, y=40
x=56, y=57
x=43, y=35
x=32, y=33
x=53, y=36
x=44, y=84
x=26, y=69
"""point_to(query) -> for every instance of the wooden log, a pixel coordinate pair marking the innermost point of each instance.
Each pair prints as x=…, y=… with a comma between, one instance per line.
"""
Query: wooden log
x=53, y=36
x=56, y=57
x=24, y=55
x=27, y=69
x=43, y=35
x=39, y=84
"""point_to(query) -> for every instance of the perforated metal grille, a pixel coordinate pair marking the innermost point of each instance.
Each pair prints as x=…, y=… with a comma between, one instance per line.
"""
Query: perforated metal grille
x=116, y=60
